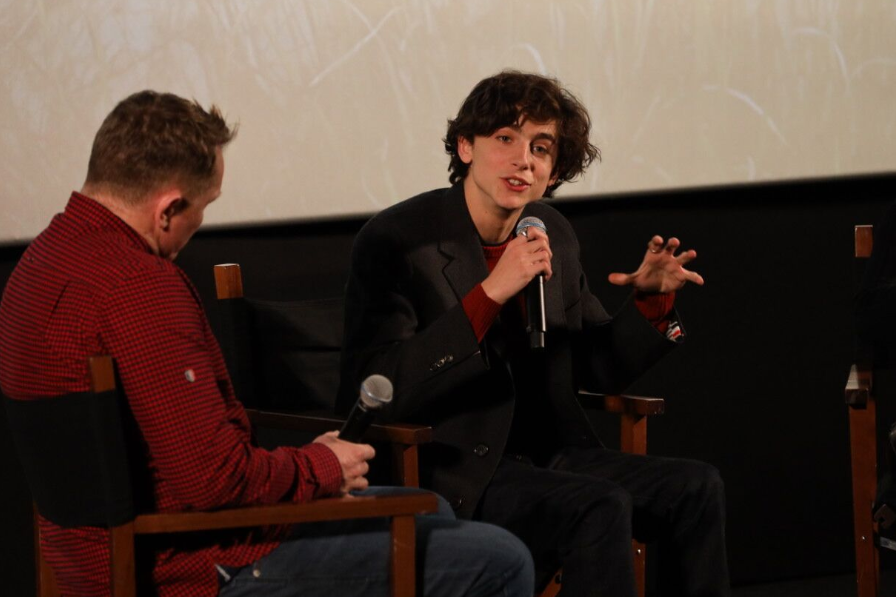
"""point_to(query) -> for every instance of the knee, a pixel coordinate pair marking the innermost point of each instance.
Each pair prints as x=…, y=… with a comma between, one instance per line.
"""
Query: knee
x=604, y=512
x=709, y=481
x=507, y=564
x=514, y=558
x=703, y=483
x=604, y=496
x=616, y=502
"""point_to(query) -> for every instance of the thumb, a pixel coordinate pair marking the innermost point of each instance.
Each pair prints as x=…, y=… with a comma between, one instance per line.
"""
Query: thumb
x=619, y=279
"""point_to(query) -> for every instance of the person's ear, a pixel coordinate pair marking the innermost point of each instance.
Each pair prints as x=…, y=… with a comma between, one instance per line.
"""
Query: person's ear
x=169, y=205
x=464, y=149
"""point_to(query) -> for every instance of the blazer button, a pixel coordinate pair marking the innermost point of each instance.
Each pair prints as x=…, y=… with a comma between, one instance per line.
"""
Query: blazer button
x=456, y=503
x=480, y=450
x=441, y=362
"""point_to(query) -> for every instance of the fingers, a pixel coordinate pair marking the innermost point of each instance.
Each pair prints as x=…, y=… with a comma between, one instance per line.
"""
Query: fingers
x=536, y=233
x=538, y=246
x=355, y=470
x=523, y=259
x=672, y=245
x=683, y=258
x=620, y=279
x=359, y=484
x=349, y=453
x=661, y=270
x=656, y=245
x=686, y=256
x=693, y=277
x=352, y=459
x=354, y=473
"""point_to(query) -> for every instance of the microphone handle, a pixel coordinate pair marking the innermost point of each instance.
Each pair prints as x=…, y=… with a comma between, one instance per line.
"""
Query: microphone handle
x=536, y=325
x=359, y=419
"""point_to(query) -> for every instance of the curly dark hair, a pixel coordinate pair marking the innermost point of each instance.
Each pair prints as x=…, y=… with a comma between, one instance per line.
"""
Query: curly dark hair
x=151, y=139
x=506, y=98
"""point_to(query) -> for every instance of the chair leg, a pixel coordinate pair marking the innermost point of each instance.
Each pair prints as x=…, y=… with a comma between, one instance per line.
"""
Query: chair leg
x=404, y=580
x=122, y=566
x=639, y=552
x=45, y=580
x=553, y=588
x=863, y=453
x=633, y=439
x=405, y=463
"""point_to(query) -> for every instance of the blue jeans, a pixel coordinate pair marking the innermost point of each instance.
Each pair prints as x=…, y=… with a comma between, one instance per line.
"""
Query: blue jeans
x=351, y=558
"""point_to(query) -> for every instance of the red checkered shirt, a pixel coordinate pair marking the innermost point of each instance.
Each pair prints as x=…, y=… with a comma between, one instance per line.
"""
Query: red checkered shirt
x=89, y=284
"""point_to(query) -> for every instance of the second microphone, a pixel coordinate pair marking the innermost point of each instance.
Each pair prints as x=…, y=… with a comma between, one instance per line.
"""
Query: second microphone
x=375, y=393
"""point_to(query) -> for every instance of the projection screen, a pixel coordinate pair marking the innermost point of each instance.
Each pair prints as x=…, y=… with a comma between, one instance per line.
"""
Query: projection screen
x=342, y=105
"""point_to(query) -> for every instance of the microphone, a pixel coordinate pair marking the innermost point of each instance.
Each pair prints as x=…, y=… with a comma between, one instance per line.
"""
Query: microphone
x=536, y=325
x=376, y=392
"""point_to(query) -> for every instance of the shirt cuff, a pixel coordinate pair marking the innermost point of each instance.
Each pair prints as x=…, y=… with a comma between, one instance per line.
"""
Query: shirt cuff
x=325, y=469
x=480, y=310
x=656, y=308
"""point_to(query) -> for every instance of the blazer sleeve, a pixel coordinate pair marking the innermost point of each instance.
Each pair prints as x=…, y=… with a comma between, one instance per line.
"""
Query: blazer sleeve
x=610, y=352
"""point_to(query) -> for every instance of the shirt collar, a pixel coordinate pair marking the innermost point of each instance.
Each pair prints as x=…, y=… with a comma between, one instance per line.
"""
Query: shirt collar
x=83, y=208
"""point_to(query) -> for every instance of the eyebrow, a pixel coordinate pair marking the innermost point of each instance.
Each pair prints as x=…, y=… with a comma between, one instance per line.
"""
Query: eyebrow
x=538, y=137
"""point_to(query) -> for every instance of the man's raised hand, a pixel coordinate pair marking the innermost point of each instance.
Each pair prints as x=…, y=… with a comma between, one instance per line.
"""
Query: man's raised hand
x=662, y=270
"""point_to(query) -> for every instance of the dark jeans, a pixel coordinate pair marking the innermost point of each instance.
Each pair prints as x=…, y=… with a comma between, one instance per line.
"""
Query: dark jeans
x=351, y=559
x=583, y=511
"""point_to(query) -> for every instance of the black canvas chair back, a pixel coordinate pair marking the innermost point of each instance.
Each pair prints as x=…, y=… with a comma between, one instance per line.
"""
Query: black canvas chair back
x=76, y=451
x=283, y=356
x=75, y=457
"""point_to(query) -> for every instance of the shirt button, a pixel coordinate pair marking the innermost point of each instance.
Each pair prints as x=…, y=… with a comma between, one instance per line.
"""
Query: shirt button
x=256, y=573
x=480, y=450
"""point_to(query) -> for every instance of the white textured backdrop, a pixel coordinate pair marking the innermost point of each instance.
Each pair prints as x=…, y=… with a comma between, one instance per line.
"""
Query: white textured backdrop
x=342, y=104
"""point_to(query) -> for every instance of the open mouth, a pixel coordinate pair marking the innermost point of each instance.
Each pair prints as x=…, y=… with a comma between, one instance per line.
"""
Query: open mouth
x=516, y=184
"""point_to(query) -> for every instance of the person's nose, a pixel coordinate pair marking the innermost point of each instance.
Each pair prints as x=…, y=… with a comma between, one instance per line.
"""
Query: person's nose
x=522, y=157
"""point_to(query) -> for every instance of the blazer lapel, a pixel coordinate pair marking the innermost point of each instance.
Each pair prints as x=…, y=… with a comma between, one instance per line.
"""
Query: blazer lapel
x=459, y=244
x=465, y=265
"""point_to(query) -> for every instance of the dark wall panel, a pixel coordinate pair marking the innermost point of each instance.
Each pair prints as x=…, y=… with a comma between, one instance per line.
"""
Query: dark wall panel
x=756, y=390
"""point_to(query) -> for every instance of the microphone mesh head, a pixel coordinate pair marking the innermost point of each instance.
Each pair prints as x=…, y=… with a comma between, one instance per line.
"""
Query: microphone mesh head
x=529, y=221
x=376, y=392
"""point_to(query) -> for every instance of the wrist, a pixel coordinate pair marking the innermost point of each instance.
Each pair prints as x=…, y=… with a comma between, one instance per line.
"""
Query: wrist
x=493, y=293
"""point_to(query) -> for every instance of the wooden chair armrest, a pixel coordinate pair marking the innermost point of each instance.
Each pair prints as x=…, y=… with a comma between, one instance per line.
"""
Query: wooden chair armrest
x=314, y=511
x=622, y=404
x=396, y=433
x=858, y=386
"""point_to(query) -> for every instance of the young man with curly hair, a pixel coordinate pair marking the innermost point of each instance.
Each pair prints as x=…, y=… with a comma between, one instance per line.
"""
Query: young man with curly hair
x=435, y=303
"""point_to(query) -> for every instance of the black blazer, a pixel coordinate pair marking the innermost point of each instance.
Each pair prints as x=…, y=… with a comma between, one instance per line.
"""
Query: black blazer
x=412, y=264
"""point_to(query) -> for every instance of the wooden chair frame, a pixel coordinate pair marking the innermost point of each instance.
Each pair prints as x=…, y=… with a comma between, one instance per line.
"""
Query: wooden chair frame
x=405, y=439
x=862, y=408
x=400, y=508
x=633, y=412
